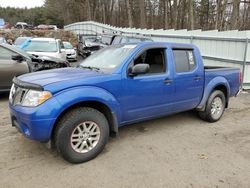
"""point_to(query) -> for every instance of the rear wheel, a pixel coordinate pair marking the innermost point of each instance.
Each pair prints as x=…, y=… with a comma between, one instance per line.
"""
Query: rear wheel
x=81, y=134
x=215, y=107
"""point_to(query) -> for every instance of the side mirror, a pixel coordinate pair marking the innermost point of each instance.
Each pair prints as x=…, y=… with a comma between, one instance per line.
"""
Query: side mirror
x=18, y=58
x=139, y=69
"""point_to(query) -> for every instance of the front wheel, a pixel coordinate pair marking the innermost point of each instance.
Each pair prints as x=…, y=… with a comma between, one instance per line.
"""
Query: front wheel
x=215, y=107
x=81, y=134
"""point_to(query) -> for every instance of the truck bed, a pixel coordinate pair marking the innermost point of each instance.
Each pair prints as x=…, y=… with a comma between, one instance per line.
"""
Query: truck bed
x=232, y=75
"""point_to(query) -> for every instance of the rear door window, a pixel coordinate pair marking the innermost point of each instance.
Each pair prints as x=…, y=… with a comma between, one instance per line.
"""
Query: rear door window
x=184, y=60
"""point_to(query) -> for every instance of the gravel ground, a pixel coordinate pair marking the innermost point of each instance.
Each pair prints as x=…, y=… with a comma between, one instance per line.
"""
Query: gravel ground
x=175, y=151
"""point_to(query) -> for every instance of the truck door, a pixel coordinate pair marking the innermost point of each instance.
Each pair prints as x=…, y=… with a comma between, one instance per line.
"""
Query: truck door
x=147, y=95
x=10, y=68
x=188, y=79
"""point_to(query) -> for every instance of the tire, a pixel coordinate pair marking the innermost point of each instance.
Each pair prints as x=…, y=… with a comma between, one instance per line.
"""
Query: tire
x=215, y=107
x=81, y=134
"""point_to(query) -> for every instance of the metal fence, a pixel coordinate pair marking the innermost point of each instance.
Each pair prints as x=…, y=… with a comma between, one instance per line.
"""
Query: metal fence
x=226, y=48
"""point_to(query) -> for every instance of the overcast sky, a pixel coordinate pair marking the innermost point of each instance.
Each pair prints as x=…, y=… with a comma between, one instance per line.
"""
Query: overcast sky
x=21, y=3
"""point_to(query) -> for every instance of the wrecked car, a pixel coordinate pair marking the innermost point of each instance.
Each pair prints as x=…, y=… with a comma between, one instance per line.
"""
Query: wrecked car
x=45, y=46
x=15, y=62
x=89, y=44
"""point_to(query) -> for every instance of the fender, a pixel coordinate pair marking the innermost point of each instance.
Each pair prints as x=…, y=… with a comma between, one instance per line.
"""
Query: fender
x=72, y=96
x=218, y=81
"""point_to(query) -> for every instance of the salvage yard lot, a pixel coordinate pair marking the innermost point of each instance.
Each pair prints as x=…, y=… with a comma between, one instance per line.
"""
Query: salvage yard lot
x=175, y=151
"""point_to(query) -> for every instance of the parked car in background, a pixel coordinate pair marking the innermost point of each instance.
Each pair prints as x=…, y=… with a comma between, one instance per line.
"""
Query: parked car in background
x=2, y=40
x=2, y=23
x=45, y=46
x=23, y=25
x=70, y=51
x=15, y=62
x=46, y=27
x=21, y=41
x=89, y=44
x=107, y=39
x=78, y=108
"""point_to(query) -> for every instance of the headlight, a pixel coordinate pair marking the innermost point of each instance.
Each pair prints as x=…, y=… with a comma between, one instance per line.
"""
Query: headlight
x=34, y=98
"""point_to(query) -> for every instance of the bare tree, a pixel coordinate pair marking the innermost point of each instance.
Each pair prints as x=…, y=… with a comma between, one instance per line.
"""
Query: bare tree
x=166, y=11
x=176, y=14
x=130, y=21
x=142, y=13
x=235, y=14
x=191, y=14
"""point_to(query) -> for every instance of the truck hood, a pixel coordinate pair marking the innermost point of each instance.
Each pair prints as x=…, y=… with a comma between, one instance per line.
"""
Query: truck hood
x=44, y=78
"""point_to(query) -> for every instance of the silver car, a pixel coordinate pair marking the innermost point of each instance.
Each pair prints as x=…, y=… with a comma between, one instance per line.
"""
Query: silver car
x=70, y=51
x=45, y=46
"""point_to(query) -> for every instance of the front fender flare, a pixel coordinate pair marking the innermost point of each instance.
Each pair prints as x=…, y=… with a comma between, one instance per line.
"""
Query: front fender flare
x=73, y=96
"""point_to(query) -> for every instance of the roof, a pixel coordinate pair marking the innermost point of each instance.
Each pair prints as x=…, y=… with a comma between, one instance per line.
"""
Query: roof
x=166, y=44
x=43, y=39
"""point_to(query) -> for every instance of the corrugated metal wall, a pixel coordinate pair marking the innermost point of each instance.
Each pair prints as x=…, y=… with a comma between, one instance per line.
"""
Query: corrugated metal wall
x=227, y=48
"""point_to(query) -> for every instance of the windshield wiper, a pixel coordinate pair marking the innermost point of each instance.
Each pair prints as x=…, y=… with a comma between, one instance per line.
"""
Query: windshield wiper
x=91, y=68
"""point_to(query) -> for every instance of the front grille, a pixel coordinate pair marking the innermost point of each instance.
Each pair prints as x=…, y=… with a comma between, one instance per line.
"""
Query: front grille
x=17, y=95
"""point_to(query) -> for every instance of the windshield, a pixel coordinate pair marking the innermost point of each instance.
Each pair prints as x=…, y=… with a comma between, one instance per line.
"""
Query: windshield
x=20, y=40
x=108, y=58
x=41, y=46
x=67, y=45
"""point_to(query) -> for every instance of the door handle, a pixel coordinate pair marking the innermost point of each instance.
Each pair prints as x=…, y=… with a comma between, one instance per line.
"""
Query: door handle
x=197, y=78
x=167, y=81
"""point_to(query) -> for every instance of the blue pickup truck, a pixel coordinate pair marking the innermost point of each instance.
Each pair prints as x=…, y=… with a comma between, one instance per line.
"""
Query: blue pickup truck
x=79, y=108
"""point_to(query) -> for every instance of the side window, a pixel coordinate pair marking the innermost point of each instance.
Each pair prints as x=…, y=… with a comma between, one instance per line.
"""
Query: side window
x=184, y=60
x=61, y=45
x=124, y=40
x=6, y=54
x=155, y=58
x=116, y=40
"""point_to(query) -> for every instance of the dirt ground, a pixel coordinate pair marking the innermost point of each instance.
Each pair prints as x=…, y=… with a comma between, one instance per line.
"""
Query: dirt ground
x=175, y=151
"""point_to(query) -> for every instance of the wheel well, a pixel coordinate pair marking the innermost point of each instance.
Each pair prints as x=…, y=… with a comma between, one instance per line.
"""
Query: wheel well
x=91, y=104
x=224, y=90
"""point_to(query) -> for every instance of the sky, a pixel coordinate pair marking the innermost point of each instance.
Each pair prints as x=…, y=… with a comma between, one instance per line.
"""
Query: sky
x=21, y=3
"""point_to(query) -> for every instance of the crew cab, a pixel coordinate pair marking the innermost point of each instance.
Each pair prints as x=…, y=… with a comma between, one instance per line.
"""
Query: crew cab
x=78, y=108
